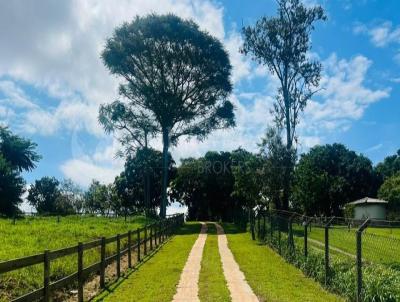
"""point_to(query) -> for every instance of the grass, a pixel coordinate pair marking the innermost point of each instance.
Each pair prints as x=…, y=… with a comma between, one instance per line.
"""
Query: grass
x=269, y=275
x=212, y=283
x=156, y=280
x=33, y=235
x=380, y=245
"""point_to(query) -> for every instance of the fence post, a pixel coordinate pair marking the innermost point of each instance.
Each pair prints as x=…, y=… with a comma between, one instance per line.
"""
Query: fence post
x=263, y=233
x=138, y=244
x=290, y=233
x=118, y=256
x=129, y=249
x=103, y=263
x=80, y=272
x=46, y=275
x=145, y=240
x=327, y=266
x=151, y=237
x=258, y=225
x=251, y=218
x=279, y=237
x=359, y=258
x=306, y=223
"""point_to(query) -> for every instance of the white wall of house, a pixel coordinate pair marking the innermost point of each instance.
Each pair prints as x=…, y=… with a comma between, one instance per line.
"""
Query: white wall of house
x=375, y=211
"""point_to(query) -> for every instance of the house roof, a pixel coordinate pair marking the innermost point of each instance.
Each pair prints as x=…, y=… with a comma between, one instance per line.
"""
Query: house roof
x=368, y=200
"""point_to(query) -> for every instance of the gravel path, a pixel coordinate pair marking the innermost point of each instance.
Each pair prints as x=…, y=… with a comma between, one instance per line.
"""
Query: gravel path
x=188, y=288
x=237, y=284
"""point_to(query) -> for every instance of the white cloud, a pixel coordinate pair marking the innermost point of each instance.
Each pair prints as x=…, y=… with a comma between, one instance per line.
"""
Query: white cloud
x=381, y=35
x=344, y=96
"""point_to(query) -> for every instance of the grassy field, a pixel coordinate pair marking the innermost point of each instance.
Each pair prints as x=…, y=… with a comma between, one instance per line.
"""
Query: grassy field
x=269, y=275
x=212, y=283
x=156, y=281
x=380, y=245
x=33, y=235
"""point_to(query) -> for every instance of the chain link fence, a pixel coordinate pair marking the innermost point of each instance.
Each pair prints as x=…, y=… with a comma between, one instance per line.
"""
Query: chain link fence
x=357, y=259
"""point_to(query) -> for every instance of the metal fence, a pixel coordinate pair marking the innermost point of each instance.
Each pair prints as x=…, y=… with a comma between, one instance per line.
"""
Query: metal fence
x=345, y=255
x=139, y=242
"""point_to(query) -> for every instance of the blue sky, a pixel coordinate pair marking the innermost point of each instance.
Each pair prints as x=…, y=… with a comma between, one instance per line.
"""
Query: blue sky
x=52, y=80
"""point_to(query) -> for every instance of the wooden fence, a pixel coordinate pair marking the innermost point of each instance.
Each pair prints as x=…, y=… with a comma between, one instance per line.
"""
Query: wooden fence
x=153, y=235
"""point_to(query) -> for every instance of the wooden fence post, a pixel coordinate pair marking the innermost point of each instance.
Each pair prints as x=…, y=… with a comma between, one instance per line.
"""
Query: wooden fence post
x=138, y=245
x=46, y=276
x=145, y=241
x=118, y=256
x=151, y=237
x=129, y=250
x=80, y=272
x=103, y=263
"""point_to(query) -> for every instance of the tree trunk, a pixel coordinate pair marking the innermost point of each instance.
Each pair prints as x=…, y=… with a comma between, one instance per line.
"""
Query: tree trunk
x=287, y=168
x=163, y=208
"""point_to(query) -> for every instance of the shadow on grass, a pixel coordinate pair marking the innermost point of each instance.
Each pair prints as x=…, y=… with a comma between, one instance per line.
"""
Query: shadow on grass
x=187, y=229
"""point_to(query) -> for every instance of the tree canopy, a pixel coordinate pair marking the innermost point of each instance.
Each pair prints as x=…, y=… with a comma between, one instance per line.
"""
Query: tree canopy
x=329, y=176
x=175, y=74
x=17, y=154
x=390, y=191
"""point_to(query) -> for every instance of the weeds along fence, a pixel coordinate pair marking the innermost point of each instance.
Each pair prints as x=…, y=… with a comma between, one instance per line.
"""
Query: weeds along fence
x=135, y=244
x=357, y=259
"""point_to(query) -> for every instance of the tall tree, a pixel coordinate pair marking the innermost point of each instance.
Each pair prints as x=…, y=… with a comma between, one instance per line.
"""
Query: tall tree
x=282, y=44
x=176, y=74
x=329, y=176
x=44, y=195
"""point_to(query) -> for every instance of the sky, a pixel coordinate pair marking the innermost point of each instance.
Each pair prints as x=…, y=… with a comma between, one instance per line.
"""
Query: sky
x=52, y=80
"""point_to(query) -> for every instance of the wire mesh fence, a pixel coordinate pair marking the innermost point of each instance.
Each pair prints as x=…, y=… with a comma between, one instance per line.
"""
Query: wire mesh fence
x=358, y=259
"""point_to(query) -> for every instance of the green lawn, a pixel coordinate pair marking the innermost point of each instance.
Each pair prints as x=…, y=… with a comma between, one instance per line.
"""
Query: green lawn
x=380, y=245
x=157, y=278
x=269, y=275
x=212, y=283
x=33, y=235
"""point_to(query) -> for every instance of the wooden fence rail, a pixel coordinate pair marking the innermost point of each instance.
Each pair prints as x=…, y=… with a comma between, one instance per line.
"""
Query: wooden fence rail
x=158, y=232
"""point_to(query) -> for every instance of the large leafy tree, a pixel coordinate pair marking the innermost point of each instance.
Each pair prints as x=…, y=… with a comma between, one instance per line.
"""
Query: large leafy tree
x=390, y=191
x=17, y=154
x=282, y=43
x=329, y=176
x=247, y=170
x=129, y=184
x=175, y=74
x=205, y=186
x=44, y=195
x=98, y=199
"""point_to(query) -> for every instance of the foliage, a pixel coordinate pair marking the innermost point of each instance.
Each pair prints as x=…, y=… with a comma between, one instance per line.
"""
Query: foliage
x=282, y=43
x=130, y=185
x=205, y=186
x=329, y=176
x=390, y=191
x=247, y=172
x=390, y=165
x=98, y=198
x=175, y=74
x=11, y=188
x=18, y=151
x=44, y=195
x=16, y=155
x=275, y=157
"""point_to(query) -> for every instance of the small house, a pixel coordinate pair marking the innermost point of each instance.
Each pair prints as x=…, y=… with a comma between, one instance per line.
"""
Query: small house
x=369, y=208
